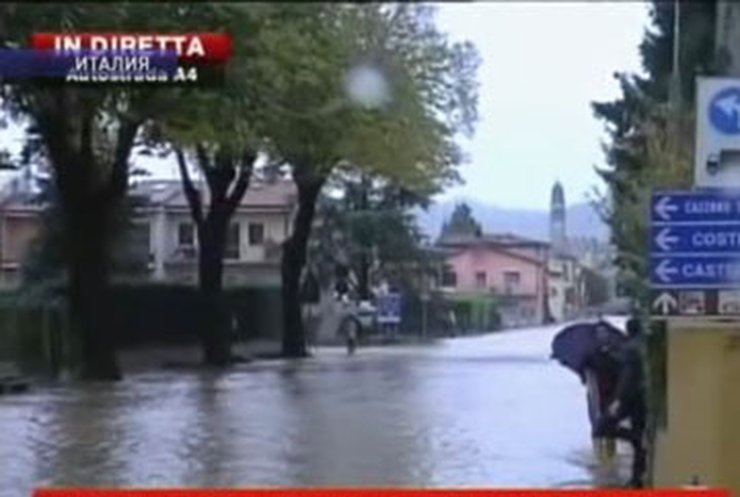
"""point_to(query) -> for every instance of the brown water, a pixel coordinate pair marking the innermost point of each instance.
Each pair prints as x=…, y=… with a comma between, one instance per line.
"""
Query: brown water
x=487, y=411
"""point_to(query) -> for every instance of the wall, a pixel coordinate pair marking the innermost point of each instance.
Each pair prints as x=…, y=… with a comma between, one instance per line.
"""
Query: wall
x=275, y=226
x=524, y=304
x=702, y=436
x=564, y=278
x=467, y=263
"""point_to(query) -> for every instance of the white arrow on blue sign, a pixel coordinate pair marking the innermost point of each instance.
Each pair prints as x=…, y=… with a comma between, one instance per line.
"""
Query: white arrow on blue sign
x=707, y=239
x=696, y=271
x=704, y=206
x=724, y=111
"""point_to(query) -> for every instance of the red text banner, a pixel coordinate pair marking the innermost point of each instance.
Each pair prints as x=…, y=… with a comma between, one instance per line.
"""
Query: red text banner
x=194, y=47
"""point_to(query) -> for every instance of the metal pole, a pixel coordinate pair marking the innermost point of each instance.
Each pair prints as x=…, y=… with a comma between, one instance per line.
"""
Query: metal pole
x=676, y=93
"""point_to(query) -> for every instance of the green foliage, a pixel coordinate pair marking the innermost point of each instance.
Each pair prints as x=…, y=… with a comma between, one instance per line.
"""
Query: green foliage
x=650, y=146
x=461, y=223
x=368, y=220
x=650, y=142
x=305, y=59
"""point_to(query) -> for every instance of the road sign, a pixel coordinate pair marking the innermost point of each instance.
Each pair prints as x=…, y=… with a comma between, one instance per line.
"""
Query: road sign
x=724, y=110
x=711, y=239
x=708, y=206
x=389, y=308
x=696, y=303
x=696, y=271
x=717, y=157
x=695, y=253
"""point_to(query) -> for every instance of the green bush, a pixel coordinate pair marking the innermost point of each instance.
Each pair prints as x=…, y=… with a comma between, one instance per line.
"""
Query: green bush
x=33, y=336
x=148, y=313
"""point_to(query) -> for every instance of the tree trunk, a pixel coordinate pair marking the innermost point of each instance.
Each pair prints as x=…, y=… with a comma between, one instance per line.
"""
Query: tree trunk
x=215, y=332
x=363, y=276
x=294, y=258
x=89, y=292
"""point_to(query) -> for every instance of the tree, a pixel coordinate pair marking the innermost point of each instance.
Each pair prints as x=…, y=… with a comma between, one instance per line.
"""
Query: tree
x=87, y=135
x=371, y=222
x=461, y=223
x=216, y=126
x=649, y=145
x=649, y=140
x=228, y=179
x=408, y=92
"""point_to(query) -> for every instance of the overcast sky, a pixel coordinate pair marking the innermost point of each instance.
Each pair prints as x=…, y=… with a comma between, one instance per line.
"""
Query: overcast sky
x=543, y=63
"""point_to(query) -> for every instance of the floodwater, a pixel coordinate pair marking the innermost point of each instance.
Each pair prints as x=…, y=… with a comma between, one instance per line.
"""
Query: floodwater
x=483, y=411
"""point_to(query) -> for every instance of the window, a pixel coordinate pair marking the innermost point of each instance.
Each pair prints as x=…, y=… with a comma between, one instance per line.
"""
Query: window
x=231, y=250
x=512, y=278
x=449, y=278
x=511, y=281
x=256, y=233
x=185, y=235
x=480, y=280
x=553, y=292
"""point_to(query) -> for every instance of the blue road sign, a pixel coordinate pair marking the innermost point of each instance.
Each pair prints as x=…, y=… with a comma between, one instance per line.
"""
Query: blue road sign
x=709, y=239
x=699, y=207
x=389, y=308
x=696, y=271
x=695, y=239
x=724, y=111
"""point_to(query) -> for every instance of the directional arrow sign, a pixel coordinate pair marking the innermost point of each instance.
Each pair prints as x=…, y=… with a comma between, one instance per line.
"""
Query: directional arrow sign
x=704, y=206
x=695, y=271
x=665, y=303
x=707, y=239
x=724, y=111
x=665, y=271
x=665, y=208
x=664, y=240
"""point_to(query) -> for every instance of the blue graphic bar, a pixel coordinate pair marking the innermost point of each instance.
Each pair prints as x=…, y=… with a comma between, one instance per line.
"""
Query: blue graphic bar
x=29, y=63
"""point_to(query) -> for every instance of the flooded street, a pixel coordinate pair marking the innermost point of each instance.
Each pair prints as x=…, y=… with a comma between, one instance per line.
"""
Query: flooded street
x=483, y=411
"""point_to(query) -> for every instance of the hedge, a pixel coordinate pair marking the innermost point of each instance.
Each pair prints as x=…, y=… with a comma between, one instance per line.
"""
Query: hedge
x=38, y=334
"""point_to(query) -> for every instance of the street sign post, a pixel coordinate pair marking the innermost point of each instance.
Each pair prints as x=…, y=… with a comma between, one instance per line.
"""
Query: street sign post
x=717, y=157
x=695, y=253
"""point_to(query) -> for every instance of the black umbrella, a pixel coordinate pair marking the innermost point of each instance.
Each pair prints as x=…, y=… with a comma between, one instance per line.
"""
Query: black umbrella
x=575, y=344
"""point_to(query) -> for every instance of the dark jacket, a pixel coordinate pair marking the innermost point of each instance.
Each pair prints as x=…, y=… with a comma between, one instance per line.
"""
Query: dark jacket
x=631, y=382
x=606, y=367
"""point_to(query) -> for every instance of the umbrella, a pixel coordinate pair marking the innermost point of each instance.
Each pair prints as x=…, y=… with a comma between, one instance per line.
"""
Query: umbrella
x=575, y=344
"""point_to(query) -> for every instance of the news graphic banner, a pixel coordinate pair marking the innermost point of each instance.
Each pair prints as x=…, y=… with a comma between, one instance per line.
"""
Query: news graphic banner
x=385, y=492
x=119, y=58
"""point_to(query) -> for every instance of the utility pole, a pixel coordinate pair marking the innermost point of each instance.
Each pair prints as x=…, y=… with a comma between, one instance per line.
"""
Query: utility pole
x=675, y=94
x=727, y=38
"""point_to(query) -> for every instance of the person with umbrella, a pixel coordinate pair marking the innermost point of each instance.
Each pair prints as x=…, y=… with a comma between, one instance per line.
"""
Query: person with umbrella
x=587, y=350
x=629, y=404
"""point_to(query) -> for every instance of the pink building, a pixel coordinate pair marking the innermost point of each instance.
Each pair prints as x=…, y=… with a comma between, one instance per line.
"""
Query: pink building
x=508, y=267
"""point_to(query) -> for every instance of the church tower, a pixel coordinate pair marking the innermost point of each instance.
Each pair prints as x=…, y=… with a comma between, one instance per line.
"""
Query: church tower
x=557, y=217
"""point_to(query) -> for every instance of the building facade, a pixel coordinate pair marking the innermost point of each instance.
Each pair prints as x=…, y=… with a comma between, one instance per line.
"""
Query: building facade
x=164, y=234
x=511, y=269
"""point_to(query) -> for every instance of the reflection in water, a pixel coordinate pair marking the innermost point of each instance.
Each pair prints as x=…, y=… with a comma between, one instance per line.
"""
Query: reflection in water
x=484, y=411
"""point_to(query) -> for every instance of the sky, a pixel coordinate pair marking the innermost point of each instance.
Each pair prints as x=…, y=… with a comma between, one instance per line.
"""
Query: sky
x=543, y=63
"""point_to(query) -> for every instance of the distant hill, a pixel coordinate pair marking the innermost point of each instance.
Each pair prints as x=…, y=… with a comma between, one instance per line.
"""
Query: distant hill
x=581, y=220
